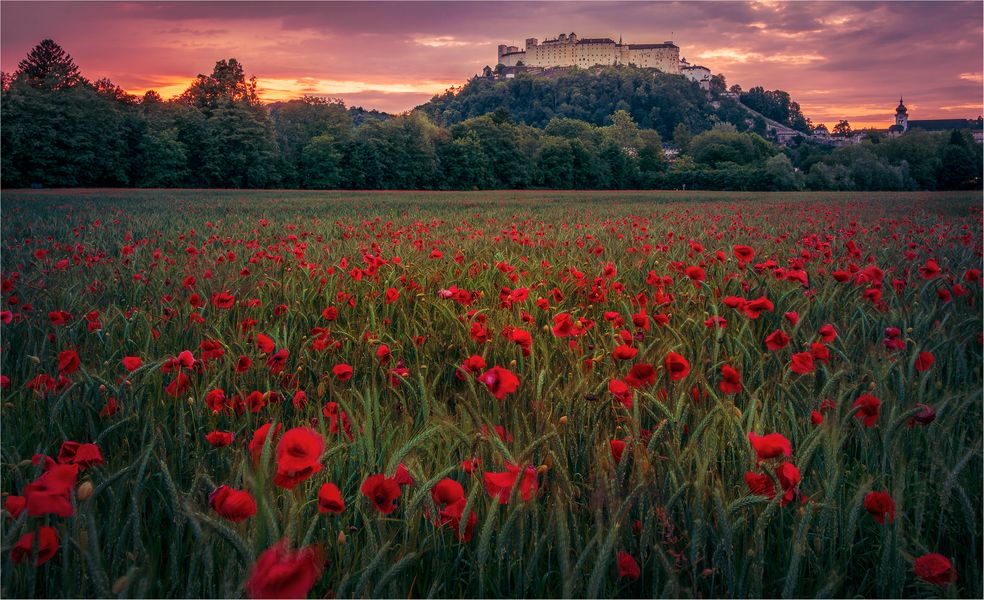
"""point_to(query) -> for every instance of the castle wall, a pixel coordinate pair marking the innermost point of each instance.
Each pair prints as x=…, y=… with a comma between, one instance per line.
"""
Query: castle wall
x=569, y=51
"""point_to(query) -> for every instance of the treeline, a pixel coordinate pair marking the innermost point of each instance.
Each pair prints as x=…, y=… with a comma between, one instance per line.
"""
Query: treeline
x=603, y=130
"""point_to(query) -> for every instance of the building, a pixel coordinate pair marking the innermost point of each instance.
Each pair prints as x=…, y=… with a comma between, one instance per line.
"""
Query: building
x=567, y=50
x=903, y=124
x=698, y=74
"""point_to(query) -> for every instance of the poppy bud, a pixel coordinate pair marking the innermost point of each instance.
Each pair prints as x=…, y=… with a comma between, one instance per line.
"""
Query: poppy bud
x=563, y=420
x=102, y=388
x=341, y=538
x=84, y=491
x=542, y=469
x=546, y=328
x=35, y=360
x=512, y=364
x=124, y=581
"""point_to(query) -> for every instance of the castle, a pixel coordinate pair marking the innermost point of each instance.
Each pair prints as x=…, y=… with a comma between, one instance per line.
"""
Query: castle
x=567, y=50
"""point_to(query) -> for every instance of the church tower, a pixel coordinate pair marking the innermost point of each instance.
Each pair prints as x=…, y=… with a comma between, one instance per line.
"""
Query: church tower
x=902, y=116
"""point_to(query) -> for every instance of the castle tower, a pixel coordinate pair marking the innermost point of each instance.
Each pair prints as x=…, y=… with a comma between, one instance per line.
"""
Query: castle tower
x=902, y=116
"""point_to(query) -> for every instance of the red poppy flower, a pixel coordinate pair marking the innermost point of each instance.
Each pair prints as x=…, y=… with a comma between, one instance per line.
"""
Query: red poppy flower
x=695, y=273
x=924, y=361
x=223, y=300
x=298, y=456
x=754, y=308
x=776, y=340
x=234, y=505
x=621, y=391
x=500, y=381
x=219, y=439
x=618, y=448
x=342, y=372
x=828, y=333
x=627, y=566
x=68, y=361
x=382, y=491
x=770, y=446
x=330, y=499
x=730, y=380
x=264, y=343
x=802, y=363
x=789, y=479
x=760, y=484
x=677, y=366
x=925, y=416
x=15, y=505
x=934, y=568
x=83, y=455
x=451, y=515
x=51, y=492
x=402, y=476
x=625, y=352
x=879, y=504
x=383, y=354
x=640, y=375
x=869, y=408
x=500, y=485
x=47, y=547
x=816, y=418
x=744, y=254
x=277, y=361
x=280, y=573
x=243, y=363
x=447, y=491
x=929, y=270
x=259, y=439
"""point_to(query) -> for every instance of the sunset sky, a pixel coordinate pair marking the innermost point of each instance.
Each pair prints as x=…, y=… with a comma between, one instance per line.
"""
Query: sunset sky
x=837, y=59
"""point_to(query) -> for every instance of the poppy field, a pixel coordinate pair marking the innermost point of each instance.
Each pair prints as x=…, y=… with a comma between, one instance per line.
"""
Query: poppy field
x=490, y=394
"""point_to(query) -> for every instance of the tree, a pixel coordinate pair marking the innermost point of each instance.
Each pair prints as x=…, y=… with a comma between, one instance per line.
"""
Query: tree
x=320, y=162
x=842, y=128
x=624, y=131
x=783, y=175
x=48, y=66
x=297, y=122
x=682, y=137
x=227, y=83
x=959, y=168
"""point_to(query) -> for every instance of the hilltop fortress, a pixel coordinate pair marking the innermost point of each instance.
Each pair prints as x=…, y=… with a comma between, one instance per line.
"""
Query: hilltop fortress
x=567, y=50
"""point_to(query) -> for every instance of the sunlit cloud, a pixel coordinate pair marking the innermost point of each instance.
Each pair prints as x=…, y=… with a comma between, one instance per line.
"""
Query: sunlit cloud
x=975, y=77
x=272, y=88
x=445, y=41
x=737, y=55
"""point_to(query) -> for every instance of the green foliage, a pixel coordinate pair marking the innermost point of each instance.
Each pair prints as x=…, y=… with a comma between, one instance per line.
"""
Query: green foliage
x=654, y=100
x=776, y=105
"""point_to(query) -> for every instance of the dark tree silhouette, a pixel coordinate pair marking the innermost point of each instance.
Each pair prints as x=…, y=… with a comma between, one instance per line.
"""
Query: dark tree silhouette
x=48, y=66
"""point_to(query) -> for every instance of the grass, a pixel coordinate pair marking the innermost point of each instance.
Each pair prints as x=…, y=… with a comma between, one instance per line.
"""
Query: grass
x=677, y=502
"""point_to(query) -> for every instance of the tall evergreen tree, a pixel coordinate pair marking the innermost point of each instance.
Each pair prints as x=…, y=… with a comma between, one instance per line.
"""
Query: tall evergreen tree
x=48, y=66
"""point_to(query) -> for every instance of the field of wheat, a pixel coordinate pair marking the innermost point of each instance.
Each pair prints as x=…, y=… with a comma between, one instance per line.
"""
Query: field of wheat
x=499, y=394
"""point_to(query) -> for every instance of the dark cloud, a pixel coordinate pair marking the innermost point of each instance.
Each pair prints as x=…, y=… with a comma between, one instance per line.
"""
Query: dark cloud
x=835, y=57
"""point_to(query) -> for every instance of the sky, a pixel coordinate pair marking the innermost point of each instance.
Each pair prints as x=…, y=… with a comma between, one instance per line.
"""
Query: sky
x=839, y=60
